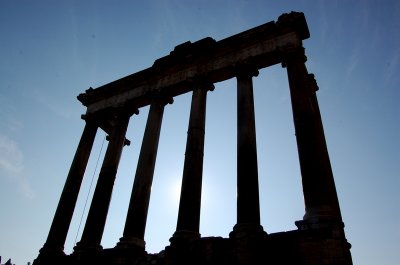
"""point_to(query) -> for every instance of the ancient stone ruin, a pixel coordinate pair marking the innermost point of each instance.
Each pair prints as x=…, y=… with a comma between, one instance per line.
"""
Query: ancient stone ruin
x=194, y=68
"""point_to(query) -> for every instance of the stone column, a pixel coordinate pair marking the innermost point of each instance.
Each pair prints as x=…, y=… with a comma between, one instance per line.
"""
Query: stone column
x=321, y=202
x=188, y=223
x=135, y=224
x=62, y=219
x=94, y=227
x=248, y=206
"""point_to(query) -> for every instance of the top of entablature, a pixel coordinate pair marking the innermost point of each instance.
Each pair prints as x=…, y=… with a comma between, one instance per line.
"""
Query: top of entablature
x=260, y=46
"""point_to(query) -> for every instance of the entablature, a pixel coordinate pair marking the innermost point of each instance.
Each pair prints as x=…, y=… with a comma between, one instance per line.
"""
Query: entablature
x=214, y=61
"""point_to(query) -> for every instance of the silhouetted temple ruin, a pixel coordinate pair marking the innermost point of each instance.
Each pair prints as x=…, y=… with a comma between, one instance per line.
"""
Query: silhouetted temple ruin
x=195, y=67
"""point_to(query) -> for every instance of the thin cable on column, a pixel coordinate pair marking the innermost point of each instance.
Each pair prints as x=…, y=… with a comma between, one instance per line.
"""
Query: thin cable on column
x=90, y=188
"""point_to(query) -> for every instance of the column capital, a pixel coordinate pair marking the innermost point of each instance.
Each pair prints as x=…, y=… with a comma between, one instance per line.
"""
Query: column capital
x=157, y=97
x=84, y=117
x=91, y=119
x=201, y=82
x=246, y=69
x=126, y=143
x=289, y=52
x=123, y=112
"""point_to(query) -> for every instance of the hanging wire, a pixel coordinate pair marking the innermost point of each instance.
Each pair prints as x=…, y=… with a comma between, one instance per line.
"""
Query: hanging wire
x=90, y=188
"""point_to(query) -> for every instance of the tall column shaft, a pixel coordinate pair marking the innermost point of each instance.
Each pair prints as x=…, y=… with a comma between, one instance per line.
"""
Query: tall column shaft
x=94, y=227
x=135, y=224
x=188, y=223
x=65, y=209
x=248, y=206
x=321, y=202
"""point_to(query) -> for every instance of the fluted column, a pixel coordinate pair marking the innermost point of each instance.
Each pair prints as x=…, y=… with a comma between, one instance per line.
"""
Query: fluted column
x=188, y=223
x=248, y=206
x=62, y=219
x=95, y=222
x=321, y=202
x=135, y=224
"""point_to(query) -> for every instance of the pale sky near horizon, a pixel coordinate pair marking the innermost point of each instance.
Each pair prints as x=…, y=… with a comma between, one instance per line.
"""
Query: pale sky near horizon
x=51, y=51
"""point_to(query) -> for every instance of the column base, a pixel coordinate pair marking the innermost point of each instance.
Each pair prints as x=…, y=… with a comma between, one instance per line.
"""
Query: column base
x=247, y=241
x=336, y=226
x=86, y=250
x=50, y=255
x=131, y=242
x=320, y=216
x=51, y=250
x=247, y=230
x=322, y=211
x=183, y=237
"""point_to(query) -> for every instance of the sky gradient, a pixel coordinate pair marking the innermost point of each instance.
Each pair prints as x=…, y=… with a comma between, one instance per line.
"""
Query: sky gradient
x=51, y=51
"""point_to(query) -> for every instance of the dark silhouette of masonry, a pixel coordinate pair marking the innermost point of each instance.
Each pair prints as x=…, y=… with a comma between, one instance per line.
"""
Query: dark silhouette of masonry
x=194, y=68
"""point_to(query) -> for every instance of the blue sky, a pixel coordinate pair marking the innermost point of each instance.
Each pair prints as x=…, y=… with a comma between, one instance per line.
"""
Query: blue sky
x=50, y=51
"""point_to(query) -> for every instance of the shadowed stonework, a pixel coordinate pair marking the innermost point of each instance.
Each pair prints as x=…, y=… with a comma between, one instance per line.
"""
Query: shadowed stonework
x=194, y=68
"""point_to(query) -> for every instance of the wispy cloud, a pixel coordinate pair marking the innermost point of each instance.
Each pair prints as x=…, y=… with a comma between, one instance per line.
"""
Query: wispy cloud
x=323, y=23
x=11, y=158
x=391, y=72
x=53, y=105
x=352, y=63
x=9, y=123
x=8, y=120
x=166, y=10
x=12, y=164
